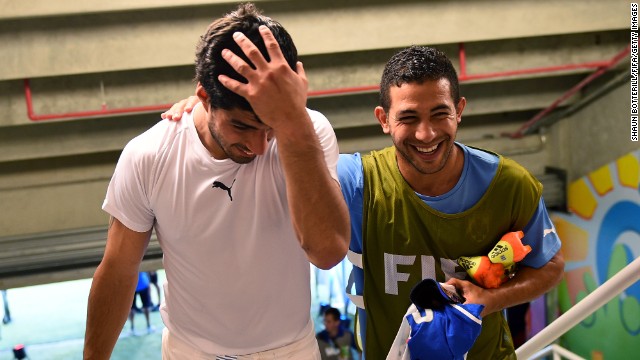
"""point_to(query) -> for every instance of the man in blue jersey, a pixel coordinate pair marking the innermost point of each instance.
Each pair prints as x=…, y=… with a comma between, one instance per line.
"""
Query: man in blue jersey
x=143, y=292
x=419, y=205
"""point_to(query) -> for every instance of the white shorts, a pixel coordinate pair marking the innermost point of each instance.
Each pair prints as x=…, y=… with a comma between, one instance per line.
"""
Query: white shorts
x=304, y=349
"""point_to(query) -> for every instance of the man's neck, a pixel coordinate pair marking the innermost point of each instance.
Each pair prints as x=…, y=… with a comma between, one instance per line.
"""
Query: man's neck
x=200, y=117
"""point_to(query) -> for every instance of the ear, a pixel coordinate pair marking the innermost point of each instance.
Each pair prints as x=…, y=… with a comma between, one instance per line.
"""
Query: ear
x=381, y=115
x=459, y=108
x=203, y=96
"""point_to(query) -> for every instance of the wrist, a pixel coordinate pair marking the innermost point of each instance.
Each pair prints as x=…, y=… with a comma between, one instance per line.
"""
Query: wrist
x=492, y=302
x=294, y=126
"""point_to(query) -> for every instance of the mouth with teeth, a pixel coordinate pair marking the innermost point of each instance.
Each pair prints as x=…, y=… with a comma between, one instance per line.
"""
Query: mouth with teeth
x=246, y=151
x=241, y=154
x=427, y=150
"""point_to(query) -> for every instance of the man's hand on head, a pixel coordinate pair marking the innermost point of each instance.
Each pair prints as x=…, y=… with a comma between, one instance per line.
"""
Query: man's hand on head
x=276, y=93
x=182, y=106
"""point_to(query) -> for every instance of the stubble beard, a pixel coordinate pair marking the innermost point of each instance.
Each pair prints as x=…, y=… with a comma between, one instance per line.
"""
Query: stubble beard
x=226, y=148
x=416, y=163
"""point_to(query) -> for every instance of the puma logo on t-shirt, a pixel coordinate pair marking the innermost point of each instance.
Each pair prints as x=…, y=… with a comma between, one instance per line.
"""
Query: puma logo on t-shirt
x=219, y=184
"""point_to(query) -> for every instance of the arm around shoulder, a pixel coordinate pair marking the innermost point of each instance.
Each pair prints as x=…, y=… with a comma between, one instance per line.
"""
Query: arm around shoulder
x=113, y=288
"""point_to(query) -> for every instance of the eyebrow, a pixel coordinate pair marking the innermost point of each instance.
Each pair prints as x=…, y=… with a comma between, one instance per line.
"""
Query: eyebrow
x=243, y=123
x=439, y=107
x=400, y=113
x=248, y=125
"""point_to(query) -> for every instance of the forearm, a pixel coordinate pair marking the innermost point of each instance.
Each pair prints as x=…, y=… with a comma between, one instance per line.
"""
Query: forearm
x=110, y=301
x=112, y=289
x=528, y=284
x=278, y=95
x=319, y=213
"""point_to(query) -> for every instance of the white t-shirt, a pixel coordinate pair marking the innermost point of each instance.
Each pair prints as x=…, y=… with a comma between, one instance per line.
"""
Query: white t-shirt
x=237, y=278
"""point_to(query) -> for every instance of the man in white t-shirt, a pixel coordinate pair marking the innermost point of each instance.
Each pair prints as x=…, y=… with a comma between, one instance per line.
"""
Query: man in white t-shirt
x=242, y=194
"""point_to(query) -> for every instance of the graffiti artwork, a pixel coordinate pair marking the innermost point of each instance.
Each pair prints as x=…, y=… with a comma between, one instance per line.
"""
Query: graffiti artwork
x=600, y=237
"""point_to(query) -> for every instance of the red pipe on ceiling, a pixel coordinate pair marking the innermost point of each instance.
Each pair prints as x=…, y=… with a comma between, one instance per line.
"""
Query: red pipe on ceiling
x=608, y=65
x=318, y=93
x=84, y=114
x=463, y=76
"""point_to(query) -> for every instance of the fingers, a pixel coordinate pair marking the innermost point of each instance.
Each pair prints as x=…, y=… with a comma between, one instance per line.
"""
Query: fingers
x=269, y=84
x=270, y=42
x=185, y=105
x=253, y=53
x=171, y=115
x=300, y=70
x=166, y=116
x=192, y=101
x=452, y=281
x=239, y=66
x=233, y=85
x=250, y=50
x=255, y=56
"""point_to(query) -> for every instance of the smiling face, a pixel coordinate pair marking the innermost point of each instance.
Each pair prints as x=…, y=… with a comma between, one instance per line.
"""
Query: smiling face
x=234, y=134
x=237, y=135
x=423, y=121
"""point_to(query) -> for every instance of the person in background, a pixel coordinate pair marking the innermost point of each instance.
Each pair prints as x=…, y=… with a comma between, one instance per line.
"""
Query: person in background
x=153, y=278
x=143, y=292
x=336, y=342
x=6, y=318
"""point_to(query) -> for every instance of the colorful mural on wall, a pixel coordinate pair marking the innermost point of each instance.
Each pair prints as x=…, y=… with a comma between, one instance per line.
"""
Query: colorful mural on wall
x=600, y=236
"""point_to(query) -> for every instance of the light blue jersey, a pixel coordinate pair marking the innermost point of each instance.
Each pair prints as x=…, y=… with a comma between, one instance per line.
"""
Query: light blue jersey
x=478, y=171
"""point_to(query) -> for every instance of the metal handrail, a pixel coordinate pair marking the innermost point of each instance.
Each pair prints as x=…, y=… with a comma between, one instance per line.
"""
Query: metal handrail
x=557, y=351
x=587, y=306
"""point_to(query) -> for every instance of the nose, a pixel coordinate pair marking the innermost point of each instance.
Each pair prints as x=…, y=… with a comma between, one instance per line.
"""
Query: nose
x=425, y=131
x=258, y=142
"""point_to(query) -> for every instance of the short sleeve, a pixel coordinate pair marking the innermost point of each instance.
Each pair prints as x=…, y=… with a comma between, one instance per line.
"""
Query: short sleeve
x=127, y=196
x=328, y=141
x=350, y=174
x=540, y=234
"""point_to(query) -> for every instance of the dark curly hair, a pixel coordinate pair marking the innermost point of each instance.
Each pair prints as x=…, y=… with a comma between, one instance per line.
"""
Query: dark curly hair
x=219, y=35
x=417, y=64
